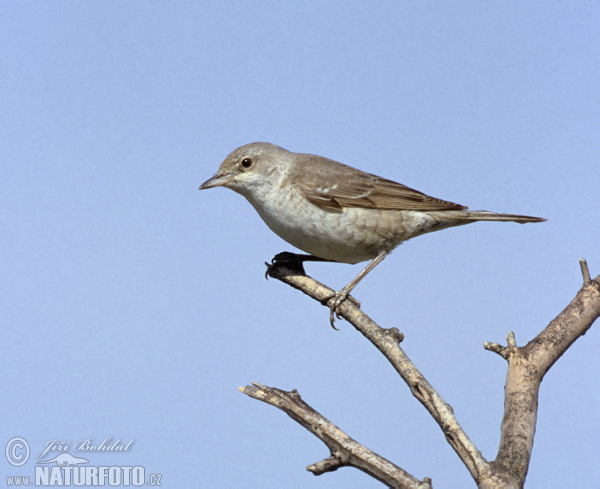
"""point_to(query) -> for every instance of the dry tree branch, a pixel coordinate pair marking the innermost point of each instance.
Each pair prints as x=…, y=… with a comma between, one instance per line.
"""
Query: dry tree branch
x=526, y=368
x=387, y=341
x=344, y=450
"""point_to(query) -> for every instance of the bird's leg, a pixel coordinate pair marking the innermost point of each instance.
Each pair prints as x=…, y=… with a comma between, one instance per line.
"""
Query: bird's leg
x=339, y=297
x=293, y=261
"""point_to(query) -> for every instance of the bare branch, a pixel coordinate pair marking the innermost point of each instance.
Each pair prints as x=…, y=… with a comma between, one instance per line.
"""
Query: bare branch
x=387, y=342
x=345, y=451
x=526, y=368
x=570, y=324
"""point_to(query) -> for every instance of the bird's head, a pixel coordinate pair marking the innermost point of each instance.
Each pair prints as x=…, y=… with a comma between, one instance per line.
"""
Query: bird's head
x=251, y=168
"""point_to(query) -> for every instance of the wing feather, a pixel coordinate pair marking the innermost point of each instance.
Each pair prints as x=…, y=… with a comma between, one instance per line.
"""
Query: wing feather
x=334, y=186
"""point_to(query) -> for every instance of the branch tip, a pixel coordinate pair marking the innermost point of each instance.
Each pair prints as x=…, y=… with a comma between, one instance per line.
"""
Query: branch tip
x=503, y=351
x=511, y=340
x=585, y=271
x=328, y=464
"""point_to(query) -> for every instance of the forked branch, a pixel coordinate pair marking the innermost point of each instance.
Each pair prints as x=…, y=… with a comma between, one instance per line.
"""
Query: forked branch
x=526, y=368
x=344, y=450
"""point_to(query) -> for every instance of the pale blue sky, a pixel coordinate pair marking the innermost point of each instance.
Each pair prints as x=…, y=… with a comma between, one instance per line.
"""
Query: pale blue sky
x=133, y=305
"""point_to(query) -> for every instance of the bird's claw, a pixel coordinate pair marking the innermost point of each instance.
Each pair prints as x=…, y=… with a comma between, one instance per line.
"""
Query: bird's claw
x=334, y=301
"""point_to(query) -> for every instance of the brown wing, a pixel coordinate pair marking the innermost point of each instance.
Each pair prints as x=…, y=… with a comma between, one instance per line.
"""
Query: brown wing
x=332, y=185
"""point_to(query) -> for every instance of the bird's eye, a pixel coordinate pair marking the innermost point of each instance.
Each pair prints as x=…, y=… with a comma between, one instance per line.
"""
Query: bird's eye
x=246, y=162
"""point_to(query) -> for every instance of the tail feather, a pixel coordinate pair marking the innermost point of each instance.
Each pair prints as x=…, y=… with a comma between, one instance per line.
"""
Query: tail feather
x=492, y=216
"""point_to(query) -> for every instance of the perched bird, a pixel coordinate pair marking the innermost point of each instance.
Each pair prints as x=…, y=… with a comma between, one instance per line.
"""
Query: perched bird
x=336, y=212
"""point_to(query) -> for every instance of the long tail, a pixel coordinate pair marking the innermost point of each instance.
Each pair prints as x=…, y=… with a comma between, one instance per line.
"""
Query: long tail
x=492, y=216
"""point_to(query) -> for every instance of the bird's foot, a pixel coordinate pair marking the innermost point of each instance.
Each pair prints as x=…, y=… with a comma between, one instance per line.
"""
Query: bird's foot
x=334, y=301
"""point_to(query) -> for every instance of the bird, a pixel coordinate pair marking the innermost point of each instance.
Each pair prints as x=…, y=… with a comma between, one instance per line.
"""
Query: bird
x=335, y=212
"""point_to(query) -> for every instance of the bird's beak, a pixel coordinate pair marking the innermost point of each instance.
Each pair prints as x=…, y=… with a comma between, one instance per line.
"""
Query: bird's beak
x=216, y=181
